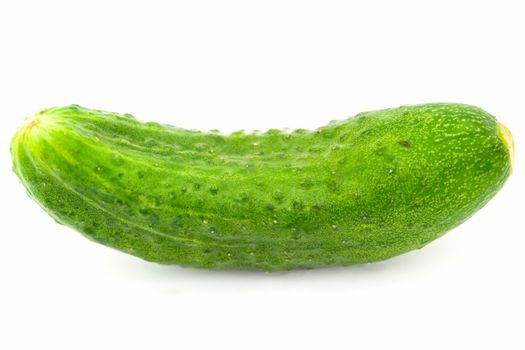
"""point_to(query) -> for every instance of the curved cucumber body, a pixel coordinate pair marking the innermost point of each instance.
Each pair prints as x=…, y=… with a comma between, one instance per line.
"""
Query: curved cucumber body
x=358, y=190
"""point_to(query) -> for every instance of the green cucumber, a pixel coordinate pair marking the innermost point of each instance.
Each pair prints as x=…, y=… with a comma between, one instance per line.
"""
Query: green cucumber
x=354, y=191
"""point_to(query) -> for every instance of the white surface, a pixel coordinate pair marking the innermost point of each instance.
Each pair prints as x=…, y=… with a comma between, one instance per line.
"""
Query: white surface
x=255, y=65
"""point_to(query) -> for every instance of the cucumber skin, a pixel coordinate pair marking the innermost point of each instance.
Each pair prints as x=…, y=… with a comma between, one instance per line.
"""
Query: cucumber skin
x=359, y=190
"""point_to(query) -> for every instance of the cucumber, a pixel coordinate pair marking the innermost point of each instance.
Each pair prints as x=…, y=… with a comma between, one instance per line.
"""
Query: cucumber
x=359, y=190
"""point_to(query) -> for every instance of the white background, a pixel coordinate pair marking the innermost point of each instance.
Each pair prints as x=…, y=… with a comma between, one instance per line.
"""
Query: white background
x=256, y=65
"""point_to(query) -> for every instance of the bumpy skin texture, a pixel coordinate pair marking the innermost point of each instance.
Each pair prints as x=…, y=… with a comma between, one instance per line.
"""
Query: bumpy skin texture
x=359, y=190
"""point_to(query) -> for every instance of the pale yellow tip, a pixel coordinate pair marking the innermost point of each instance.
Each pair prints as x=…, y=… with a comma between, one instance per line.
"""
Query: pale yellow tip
x=32, y=122
x=506, y=137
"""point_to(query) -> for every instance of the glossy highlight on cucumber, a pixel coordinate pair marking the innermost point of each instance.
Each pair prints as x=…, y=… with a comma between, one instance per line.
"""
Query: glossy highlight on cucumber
x=359, y=190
